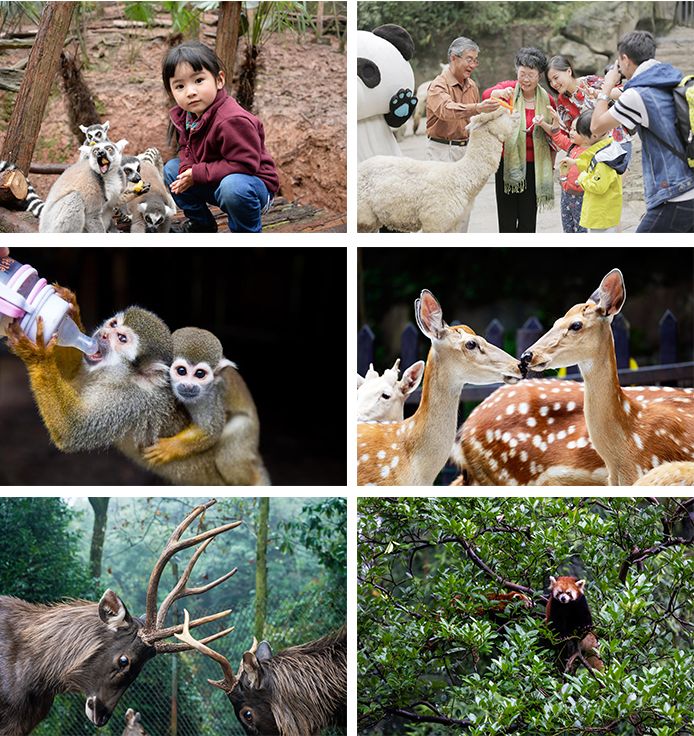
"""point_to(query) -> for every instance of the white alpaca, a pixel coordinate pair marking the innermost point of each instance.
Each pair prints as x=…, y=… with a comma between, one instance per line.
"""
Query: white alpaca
x=433, y=196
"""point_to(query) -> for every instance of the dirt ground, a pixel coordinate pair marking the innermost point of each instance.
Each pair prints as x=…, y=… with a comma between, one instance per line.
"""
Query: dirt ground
x=306, y=133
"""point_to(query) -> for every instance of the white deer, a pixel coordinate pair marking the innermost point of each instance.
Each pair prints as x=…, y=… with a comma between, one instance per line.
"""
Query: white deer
x=413, y=451
x=630, y=437
x=382, y=398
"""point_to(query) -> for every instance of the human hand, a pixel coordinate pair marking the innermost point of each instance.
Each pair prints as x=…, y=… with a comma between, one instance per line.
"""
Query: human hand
x=182, y=182
x=488, y=105
x=612, y=78
x=503, y=94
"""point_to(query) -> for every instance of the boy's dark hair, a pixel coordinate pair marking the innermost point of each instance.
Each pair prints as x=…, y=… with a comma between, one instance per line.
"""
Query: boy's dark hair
x=194, y=53
x=583, y=123
x=531, y=57
x=639, y=46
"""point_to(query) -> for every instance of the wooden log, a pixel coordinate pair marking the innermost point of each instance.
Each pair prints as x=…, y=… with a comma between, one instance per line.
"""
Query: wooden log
x=30, y=105
x=227, y=39
x=13, y=187
x=50, y=169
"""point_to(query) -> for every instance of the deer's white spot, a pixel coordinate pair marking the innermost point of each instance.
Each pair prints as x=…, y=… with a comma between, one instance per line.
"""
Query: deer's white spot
x=512, y=443
x=489, y=435
x=543, y=396
x=381, y=454
x=511, y=394
x=571, y=406
x=531, y=421
x=654, y=461
x=638, y=440
x=506, y=436
x=523, y=408
x=561, y=435
x=364, y=457
x=550, y=420
x=544, y=410
x=556, y=405
x=385, y=471
x=571, y=445
x=627, y=406
x=550, y=438
x=555, y=390
x=581, y=442
x=524, y=456
x=394, y=462
x=571, y=429
x=504, y=457
x=510, y=409
x=639, y=397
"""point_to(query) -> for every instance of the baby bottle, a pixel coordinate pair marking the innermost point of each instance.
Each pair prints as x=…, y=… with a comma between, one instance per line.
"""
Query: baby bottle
x=24, y=297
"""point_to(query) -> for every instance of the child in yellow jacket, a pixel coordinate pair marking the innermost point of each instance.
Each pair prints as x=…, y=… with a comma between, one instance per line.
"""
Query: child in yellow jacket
x=601, y=167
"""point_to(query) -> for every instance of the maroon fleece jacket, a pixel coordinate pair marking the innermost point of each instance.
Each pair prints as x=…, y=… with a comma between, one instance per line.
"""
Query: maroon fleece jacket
x=228, y=140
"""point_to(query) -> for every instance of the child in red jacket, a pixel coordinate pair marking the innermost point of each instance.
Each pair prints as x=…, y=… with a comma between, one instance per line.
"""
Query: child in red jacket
x=222, y=155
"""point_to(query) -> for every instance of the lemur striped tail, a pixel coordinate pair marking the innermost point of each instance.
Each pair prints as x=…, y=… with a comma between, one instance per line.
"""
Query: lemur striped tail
x=33, y=203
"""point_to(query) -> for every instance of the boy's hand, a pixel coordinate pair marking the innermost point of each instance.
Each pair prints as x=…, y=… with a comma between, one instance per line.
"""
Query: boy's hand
x=183, y=181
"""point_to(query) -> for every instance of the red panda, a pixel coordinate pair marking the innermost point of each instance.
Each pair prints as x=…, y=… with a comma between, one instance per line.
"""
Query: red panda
x=569, y=619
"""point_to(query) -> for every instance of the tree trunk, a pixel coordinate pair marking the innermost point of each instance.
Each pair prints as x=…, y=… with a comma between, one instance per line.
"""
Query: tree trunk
x=249, y=69
x=100, y=507
x=25, y=121
x=261, y=568
x=227, y=40
x=81, y=109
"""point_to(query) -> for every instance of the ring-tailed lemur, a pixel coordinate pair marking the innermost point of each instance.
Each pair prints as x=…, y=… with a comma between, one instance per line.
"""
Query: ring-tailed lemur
x=32, y=203
x=84, y=195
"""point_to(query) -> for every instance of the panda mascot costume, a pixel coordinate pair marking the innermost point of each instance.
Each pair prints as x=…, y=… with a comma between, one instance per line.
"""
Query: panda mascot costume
x=384, y=97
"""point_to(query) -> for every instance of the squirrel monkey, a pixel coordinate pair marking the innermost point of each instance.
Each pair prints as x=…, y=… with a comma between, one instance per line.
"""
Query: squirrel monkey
x=224, y=420
x=118, y=396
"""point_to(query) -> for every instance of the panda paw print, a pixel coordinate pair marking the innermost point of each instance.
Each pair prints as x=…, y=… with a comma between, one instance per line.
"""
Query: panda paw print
x=402, y=106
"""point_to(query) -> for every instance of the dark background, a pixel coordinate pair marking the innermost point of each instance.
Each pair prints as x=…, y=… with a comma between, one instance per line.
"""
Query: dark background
x=476, y=285
x=280, y=314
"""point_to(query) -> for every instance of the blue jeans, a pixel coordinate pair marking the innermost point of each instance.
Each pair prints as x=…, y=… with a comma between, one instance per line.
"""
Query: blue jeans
x=241, y=196
x=669, y=217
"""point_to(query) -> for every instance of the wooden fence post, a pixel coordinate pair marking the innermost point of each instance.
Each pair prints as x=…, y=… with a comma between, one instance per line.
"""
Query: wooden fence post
x=620, y=332
x=365, y=349
x=668, y=338
x=409, y=346
x=30, y=105
x=531, y=331
x=227, y=40
x=494, y=333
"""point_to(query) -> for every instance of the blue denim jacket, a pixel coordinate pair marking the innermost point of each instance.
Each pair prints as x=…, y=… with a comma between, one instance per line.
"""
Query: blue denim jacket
x=665, y=175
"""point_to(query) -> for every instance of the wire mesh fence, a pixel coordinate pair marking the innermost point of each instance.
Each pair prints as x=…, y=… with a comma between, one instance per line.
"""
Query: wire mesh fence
x=172, y=693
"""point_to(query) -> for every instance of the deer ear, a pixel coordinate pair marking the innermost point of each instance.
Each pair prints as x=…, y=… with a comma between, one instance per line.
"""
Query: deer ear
x=412, y=377
x=611, y=294
x=112, y=611
x=429, y=315
x=251, y=667
x=264, y=652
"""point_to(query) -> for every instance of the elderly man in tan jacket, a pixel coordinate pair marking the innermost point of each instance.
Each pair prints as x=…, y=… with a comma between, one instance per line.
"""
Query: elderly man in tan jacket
x=453, y=98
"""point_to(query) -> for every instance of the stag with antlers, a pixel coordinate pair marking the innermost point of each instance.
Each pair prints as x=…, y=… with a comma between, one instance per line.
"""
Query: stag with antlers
x=97, y=649
x=297, y=692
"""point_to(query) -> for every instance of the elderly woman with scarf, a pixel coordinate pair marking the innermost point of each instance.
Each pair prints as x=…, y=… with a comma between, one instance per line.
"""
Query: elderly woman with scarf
x=524, y=180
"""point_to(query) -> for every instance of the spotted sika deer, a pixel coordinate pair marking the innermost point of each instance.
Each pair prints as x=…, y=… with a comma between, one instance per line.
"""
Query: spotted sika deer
x=629, y=436
x=299, y=691
x=382, y=398
x=413, y=451
x=535, y=434
x=94, y=648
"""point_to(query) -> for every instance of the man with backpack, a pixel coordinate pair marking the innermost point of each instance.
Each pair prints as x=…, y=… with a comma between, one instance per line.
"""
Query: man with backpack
x=648, y=103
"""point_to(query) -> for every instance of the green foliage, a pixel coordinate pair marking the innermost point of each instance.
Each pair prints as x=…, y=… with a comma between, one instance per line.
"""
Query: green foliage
x=430, y=648
x=274, y=16
x=39, y=561
x=427, y=21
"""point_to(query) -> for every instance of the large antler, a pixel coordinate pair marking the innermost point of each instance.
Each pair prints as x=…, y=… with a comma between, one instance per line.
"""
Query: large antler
x=154, y=631
x=230, y=679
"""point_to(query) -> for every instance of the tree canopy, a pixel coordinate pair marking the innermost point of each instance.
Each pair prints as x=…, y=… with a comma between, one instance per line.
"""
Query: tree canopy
x=434, y=657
